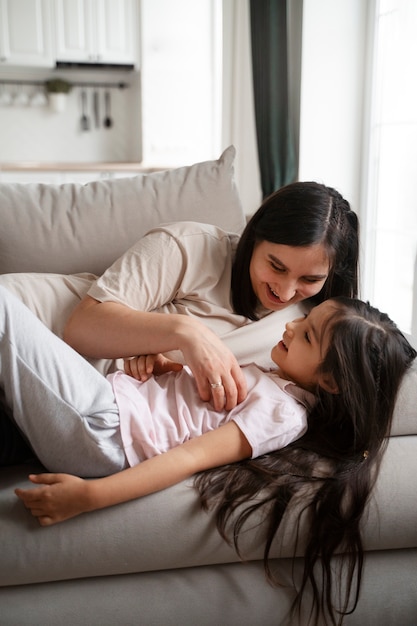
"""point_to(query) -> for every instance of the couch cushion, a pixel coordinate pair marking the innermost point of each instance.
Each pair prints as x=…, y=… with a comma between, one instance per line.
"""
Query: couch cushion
x=143, y=535
x=84, y=228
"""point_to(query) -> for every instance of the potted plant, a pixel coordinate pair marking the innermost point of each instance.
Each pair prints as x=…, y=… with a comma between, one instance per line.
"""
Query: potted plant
x=57, y=90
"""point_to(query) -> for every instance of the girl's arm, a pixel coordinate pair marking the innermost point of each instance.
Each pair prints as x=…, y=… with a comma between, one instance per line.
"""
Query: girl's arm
x=61, y=496
x=112, y=330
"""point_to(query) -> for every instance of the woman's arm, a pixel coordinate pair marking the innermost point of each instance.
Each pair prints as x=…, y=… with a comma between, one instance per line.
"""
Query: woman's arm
x=112, y=330
x=61, y=496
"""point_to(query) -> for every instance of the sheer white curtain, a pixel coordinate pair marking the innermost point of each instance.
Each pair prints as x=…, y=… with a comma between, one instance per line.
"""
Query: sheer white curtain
x=390, y=220
x=238, y=127
x=197, y=95
x=181, y=77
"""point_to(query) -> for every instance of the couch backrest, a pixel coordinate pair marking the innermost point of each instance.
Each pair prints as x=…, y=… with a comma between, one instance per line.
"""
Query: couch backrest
x=73, y=228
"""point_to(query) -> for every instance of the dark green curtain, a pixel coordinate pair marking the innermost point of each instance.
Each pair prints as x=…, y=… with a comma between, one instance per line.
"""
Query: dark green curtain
x=276, y=152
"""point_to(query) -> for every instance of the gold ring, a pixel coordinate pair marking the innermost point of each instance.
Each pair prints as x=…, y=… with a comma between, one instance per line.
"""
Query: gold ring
x=216, y=385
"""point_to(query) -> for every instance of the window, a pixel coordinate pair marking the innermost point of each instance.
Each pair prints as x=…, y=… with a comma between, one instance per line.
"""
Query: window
x=181, y=80
x=390, y=225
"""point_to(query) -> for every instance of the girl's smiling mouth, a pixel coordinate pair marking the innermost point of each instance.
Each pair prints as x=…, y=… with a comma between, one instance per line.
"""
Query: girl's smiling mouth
x=282, y=345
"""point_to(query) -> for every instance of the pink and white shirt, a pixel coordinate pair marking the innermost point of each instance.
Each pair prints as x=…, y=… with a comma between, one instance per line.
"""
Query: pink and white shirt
x=165, y=411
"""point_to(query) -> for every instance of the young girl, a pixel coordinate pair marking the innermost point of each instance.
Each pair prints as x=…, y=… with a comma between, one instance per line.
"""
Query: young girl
x=338, y=371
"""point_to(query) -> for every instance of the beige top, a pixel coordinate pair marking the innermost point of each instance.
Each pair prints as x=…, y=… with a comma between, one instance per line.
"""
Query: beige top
x=186, y=267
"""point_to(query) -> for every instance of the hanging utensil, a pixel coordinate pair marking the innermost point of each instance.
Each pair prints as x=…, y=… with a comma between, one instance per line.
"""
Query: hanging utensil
x=108, y=122
x=96, y=108
x=85, y=122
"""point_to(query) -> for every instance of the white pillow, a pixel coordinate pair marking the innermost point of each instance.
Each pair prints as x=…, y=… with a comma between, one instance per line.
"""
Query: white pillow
x=73, y=228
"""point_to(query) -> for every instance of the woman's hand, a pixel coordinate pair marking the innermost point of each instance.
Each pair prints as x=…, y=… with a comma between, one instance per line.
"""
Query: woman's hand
x=221, y=383
x=144, y=366
x=215, y=368
x=59, y=497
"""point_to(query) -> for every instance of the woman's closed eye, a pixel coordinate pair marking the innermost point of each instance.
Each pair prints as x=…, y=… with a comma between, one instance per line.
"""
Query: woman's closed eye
x=311, y=280
x=278, y=268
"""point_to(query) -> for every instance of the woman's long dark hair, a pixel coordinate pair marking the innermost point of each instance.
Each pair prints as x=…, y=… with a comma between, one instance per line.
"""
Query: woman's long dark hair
x=322, y=482
x=301, y=214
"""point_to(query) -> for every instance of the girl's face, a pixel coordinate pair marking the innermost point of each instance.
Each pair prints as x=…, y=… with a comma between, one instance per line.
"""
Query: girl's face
x=303, y=346
x=282, y=275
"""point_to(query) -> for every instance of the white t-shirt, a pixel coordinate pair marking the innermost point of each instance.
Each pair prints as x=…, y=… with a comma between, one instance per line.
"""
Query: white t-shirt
x=165, y=411
x=186, y=267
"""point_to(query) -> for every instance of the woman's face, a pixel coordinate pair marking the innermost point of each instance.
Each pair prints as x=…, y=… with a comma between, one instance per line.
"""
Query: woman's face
x=282, y=275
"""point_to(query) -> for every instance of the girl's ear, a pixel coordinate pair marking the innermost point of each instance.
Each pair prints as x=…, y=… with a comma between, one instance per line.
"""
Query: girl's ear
x=328, y=383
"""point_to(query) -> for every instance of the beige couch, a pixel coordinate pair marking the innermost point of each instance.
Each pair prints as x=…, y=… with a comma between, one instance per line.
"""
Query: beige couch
x=159, y=561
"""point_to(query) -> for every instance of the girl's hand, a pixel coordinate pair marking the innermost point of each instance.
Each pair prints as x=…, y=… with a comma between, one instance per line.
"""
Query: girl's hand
x=60, y=497
x=143, y=366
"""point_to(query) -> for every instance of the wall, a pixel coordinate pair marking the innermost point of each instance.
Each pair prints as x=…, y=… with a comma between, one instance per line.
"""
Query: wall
x=35, y=133
x=332, y=95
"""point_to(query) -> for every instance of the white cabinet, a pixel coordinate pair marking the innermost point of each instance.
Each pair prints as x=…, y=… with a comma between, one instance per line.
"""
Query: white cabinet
x=25, y=33
x=95, y=31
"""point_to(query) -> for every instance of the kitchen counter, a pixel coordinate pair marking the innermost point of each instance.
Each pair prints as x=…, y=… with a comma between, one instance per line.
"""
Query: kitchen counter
x=37, y=166
x=56, y=172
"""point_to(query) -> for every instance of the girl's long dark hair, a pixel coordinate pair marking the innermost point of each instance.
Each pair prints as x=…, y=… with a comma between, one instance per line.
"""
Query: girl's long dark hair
x=322, y=482
x=301, y=214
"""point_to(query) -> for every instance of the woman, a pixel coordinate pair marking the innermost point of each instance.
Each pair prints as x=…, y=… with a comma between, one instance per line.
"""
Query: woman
x=301, y=245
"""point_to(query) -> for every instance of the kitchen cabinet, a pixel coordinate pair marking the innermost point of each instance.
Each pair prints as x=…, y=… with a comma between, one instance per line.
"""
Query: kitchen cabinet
x=25, y=33
x=95, y=31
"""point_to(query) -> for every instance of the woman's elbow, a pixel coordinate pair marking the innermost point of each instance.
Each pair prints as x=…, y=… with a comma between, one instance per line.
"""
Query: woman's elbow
x=76, y=323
